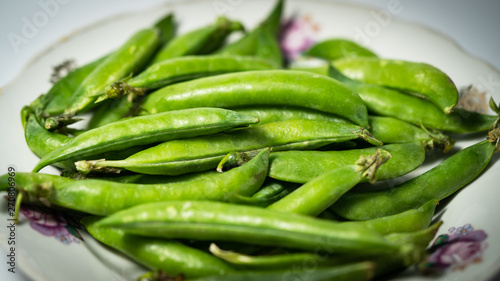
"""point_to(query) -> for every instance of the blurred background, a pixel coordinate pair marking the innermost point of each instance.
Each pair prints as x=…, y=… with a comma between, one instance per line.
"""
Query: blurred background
x=28, y=27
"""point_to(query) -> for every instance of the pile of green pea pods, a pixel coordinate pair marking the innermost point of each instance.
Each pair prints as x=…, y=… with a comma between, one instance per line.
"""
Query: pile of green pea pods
x=206, y=159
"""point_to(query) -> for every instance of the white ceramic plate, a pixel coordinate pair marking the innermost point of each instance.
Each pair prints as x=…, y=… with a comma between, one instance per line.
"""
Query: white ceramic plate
x=48, y=248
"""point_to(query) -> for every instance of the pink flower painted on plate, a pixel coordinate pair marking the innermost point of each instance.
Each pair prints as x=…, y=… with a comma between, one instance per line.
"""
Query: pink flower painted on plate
x=51, y=223
x=456, y=250
x=297, y=35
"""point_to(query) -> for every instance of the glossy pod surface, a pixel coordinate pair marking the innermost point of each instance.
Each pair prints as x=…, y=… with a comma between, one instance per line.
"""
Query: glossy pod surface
x=167, y=255
x=203, y=220
x=302, y=166
x=146, y=130
x=204, y=152
x=391, y=103
x=129, y=58
x=422, y=79
x=190, y=67
x=437, y=183
x=268, y=87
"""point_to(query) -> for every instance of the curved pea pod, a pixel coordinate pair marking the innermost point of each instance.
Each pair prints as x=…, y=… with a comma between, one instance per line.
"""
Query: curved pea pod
x=204, y=220
x=437, y=183
x=268, y=114
x=55, y=101
x=251, y=43
x=204, y=152
x=203, y=40
x=146, y=130
x=324, y=190
x=41, y=141
x=410, y=220
x=23, y=180
x=111, y=111
x=420, y=240
x=421, y=79
x=270, y=192
x=302, y=166
x=167, y=27
x=182, y=69
x=387, y=102
x=336, y=48
x=101, y=197
x=392, y=130
x=129, y=58
x=266, y=87
x=351, y=272
x=158, y=254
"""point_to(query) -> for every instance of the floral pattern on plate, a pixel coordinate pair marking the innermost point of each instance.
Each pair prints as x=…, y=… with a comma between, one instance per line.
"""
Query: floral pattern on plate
x=297, y=35
x=52, y=223
x=456, y=250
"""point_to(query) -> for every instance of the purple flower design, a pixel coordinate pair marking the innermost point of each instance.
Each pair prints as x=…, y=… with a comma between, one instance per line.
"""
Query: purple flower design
x=458, y=249
x=297, y=35
x=51, y=223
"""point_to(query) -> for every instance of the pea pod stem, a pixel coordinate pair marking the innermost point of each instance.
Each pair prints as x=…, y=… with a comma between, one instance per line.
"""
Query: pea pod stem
x=437, y=183
x=327, y=188
x=158, y=254
x=202, y=40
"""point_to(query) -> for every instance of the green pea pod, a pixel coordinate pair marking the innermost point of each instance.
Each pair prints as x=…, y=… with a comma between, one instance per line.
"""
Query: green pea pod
x=268, y=114
x=158, y=254
x=126, y=60
x=111, y=111
x=204, y=152
x=269, y=48
x=203, y=40
x=386, y=265
x=421, y=79
x=115, y=110
x=392, y=130
x=272, y=187
x=23, y=180
x=392, y=103
x=167, y=27
x=101, y=197
x=437, y=183
x=321, y=192
x=266, y=87
x=260, y=201
x=387, y=102
x=182, y=69
x=351, y=272
x=204, y=220
x=337, y=48
x=254, y=43
x=415, y=231
x=302, y=166
x=55, y=101
x=41, y=142
x=410, y=220
x=146, y=130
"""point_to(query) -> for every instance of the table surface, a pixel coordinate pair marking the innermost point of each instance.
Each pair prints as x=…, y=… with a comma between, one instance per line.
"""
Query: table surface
x=473, y=25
